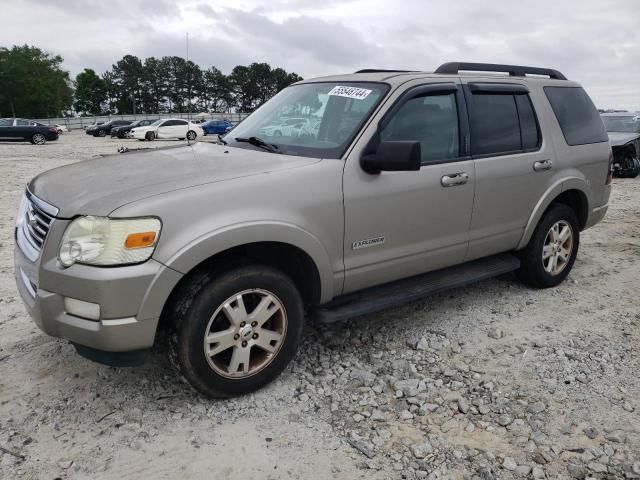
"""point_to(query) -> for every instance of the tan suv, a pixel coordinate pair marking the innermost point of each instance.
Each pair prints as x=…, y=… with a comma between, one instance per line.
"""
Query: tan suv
x=409, y=183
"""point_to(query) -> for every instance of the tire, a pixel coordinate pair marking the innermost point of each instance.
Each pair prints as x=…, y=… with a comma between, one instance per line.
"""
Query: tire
x=199, y=312
x=38, y=139
x=548, y=241
x=101, y=133
x=191, y=135
x=150, y=136
x=629, y=166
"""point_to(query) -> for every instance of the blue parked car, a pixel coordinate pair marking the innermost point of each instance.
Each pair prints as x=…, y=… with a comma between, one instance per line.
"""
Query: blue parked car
x=213, y=127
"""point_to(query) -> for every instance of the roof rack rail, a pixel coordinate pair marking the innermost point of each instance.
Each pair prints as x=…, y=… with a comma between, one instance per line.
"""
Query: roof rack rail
x=512, y=70
x=376, y=70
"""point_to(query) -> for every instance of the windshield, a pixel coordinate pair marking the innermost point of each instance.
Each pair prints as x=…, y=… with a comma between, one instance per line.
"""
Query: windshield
x=620, y=123
x=311, y=119
x=156, y=123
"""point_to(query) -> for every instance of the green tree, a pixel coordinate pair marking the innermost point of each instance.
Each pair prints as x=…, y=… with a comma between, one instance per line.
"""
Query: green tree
x=32, y=83
x=91, y=93
x=128, y=78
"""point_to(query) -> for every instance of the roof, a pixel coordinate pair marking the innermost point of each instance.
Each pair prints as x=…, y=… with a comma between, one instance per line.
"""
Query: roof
x=396, y=78
x=454, y=70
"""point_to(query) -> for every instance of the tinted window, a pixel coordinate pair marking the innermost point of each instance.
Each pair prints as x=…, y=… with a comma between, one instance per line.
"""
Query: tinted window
x=494, y=124
x=21, y=122
x=6, y=122
x=168, y=123
x=528, y=123
x=179, y=122
x=576, y=114
x=431, y=120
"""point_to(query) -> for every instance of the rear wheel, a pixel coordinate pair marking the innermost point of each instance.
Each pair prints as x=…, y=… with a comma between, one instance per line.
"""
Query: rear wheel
x=38, y=139
x=191, y=135
x=549, y=256
x=235, y=332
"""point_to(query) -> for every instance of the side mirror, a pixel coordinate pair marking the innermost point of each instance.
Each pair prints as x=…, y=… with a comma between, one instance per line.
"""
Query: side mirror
x=393, y=156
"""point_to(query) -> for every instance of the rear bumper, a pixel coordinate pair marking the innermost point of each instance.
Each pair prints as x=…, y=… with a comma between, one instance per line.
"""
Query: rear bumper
x=596, y=215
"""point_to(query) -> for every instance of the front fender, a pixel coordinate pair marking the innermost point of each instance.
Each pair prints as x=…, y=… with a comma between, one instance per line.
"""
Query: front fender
x=559, y=186
x=230, y=236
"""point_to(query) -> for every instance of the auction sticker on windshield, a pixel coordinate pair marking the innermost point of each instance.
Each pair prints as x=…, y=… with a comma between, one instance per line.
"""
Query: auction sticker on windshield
x=350, y=92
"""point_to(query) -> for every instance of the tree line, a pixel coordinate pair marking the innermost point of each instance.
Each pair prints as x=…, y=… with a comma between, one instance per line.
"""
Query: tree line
x=34, y=84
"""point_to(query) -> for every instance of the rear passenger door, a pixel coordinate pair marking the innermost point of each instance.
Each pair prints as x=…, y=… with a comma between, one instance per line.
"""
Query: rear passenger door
x=513, y=163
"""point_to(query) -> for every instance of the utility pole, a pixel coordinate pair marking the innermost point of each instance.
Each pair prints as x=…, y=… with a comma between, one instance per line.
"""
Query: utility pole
x=188, y=83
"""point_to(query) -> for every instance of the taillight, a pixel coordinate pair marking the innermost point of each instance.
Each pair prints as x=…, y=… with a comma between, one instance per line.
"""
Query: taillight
x=610, y=169
x=53, y=130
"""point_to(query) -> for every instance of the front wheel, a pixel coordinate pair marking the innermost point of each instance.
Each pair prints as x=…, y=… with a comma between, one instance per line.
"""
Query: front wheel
x=550, y=254
x=235, y=332
x=191, y=135
x=38, y=139
x=102, y=133
x=150, y=136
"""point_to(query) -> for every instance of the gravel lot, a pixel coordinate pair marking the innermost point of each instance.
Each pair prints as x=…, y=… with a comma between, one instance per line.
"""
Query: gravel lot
x=491, y=381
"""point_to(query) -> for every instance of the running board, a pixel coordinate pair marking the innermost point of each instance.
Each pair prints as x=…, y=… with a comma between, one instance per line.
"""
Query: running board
x=400, y=292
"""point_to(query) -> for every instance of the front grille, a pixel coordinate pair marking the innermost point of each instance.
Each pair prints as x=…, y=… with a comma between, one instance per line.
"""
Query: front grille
x=37, y=221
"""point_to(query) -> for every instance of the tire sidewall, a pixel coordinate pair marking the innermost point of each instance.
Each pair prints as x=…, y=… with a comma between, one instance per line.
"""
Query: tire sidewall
x=191, y=135
x=33, y=139
x=532, y=260
x=190, y=333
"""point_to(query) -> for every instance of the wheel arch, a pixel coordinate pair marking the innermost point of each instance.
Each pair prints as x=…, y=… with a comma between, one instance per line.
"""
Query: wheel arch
x=571, y=192
x=290, y=259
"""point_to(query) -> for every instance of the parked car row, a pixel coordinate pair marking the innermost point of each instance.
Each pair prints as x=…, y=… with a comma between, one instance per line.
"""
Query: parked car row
x=163, y=128
x=28, y=130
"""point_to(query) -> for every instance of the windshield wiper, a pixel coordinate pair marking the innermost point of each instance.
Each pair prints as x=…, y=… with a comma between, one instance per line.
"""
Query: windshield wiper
x=258, y=142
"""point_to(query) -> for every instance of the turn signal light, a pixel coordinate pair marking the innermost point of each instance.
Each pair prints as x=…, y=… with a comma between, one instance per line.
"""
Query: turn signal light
x=140, y=240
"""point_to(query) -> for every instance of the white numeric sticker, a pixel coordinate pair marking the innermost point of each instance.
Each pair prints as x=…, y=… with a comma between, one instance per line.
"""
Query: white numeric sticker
x=356, y=93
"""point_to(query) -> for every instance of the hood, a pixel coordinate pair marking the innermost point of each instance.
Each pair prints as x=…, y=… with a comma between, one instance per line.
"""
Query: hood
x=99, y=186
x=620, y=138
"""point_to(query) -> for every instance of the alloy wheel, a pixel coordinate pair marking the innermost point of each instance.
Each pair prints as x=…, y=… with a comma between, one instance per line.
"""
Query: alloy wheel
x=245, y=333
x=557, y=247
x=39, y=139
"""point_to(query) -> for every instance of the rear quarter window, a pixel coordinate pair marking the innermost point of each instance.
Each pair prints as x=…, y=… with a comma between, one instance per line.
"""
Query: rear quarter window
x=578, y=118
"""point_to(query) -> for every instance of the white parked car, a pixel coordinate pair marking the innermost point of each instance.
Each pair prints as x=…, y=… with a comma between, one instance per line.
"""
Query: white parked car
x=168, y=128
x=61, y=128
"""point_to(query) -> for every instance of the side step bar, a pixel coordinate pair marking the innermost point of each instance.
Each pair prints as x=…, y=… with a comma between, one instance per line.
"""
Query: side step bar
x=382, y=297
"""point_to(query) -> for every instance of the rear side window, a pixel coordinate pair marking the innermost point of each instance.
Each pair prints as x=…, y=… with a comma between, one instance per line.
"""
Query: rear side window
x=578, y=118
x=494, y=123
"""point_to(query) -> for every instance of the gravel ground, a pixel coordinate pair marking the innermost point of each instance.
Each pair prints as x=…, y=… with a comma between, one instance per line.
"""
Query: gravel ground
x=491, y=381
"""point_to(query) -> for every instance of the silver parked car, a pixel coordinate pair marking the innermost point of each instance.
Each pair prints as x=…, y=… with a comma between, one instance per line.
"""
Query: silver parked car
x=409, y=184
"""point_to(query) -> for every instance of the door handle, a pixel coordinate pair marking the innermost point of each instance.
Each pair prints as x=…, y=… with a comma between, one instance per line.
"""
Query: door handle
x=454, y=179
x=542, y=165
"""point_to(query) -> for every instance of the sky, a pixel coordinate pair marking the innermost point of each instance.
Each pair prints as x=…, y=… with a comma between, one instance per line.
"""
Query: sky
x=595, y=42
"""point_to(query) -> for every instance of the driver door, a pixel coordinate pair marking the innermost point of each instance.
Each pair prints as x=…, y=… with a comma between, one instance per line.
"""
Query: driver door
x=400, y=224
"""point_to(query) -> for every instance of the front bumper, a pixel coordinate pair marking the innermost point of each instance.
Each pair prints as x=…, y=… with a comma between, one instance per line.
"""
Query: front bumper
x=131, y=298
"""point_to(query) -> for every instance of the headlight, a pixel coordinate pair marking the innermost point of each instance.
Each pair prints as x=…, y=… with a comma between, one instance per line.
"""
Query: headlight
x=105, y=241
